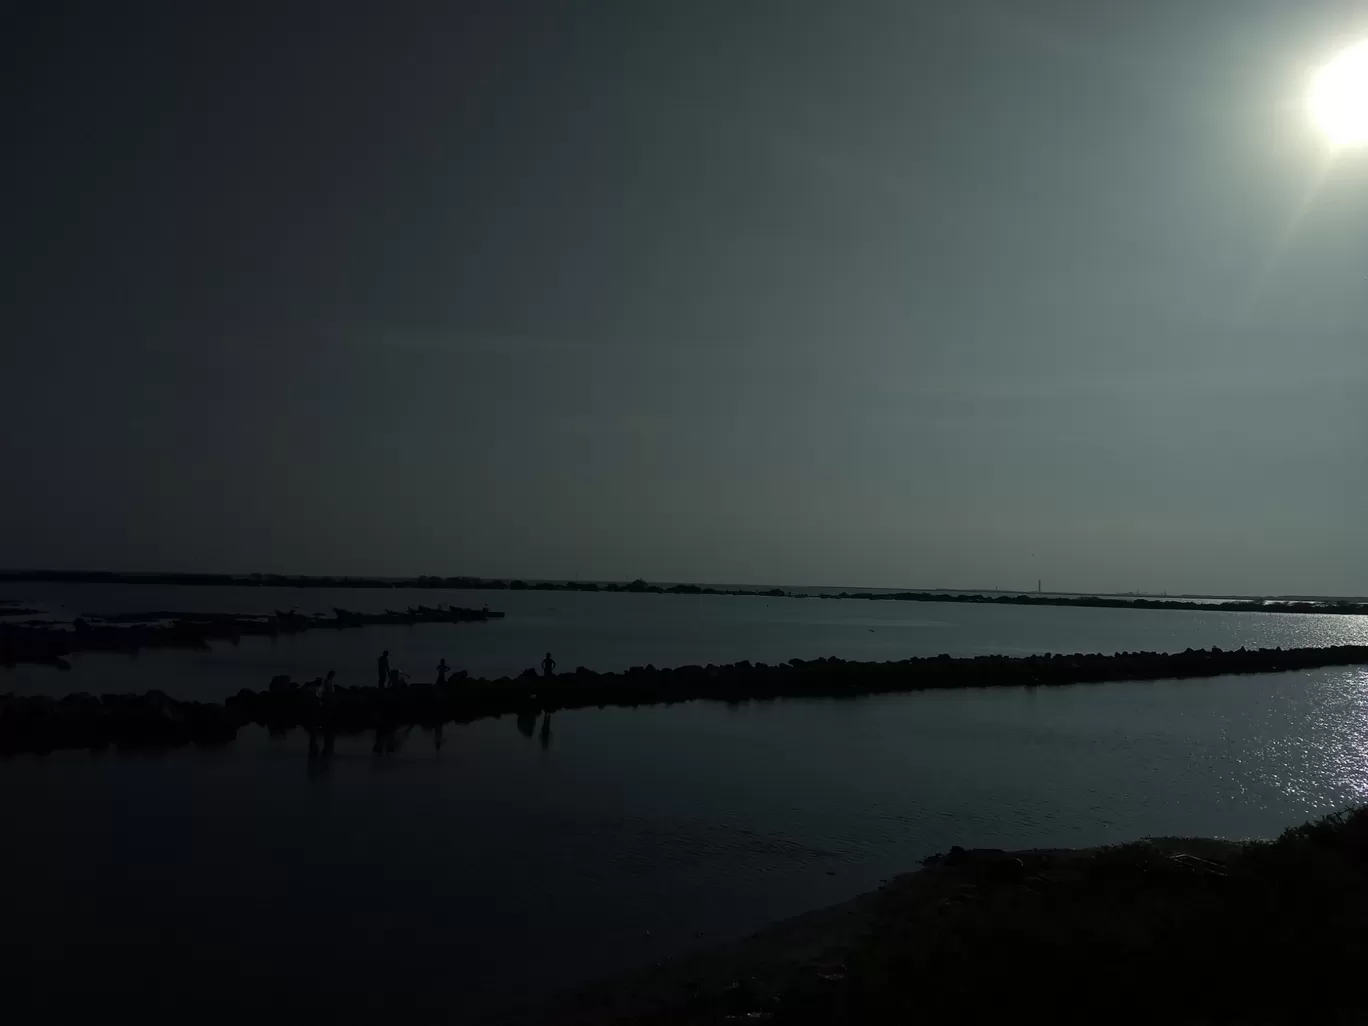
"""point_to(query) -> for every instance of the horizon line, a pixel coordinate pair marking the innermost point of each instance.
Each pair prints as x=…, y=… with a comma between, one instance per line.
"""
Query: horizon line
x=11, y=573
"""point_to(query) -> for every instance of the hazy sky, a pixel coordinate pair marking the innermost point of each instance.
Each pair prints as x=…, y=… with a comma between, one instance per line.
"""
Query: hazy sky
x=961, y=293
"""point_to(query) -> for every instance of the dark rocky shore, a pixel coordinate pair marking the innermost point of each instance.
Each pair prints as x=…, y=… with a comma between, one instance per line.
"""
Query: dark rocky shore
x=48, y=642
x=37, y=724
x=1171, y=930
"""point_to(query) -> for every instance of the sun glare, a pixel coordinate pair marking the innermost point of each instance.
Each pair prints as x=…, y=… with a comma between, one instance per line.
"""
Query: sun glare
x=1338, y=98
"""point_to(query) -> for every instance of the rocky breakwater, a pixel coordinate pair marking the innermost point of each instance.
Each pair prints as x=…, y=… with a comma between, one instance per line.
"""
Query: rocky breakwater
x=51, y=642
x=30, y=724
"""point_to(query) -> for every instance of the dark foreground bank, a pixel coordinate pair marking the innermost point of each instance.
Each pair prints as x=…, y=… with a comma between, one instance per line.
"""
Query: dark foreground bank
x=154, y=719
x=1169, y=930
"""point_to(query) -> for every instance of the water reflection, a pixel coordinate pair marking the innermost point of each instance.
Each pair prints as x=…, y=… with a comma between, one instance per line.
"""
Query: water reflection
x=328, y=737
x=384, y=740
x=527, y=722
x=726, y=818
x=1328, y=742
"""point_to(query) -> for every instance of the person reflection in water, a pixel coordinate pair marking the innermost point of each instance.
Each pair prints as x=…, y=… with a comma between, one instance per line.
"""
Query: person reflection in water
x=329, y=711
x=527, y=722
x=385, y=741
x=546, y=732
x=320, y=707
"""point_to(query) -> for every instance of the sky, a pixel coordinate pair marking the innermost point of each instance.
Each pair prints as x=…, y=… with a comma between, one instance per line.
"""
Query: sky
x=893, y=294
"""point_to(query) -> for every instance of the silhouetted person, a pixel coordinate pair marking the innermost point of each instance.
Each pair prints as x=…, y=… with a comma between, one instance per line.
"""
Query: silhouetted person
x=548, y=665
x=442, y=670
x=383, y=667
x=546, y=732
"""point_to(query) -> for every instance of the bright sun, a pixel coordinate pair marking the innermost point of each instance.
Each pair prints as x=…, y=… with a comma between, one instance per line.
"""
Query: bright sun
x=1338, y=98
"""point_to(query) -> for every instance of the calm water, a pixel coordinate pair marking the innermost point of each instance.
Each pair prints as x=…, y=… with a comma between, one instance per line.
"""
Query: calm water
x=495, y=867
x=614, y=631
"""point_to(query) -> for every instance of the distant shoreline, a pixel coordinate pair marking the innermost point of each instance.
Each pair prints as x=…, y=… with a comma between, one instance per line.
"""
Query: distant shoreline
x=48, y=643
x=1272, y=604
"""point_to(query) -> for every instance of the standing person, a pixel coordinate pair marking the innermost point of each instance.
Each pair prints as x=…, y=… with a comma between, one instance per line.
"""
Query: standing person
x=442, y=670
x=548, y=665
x=383, y=666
